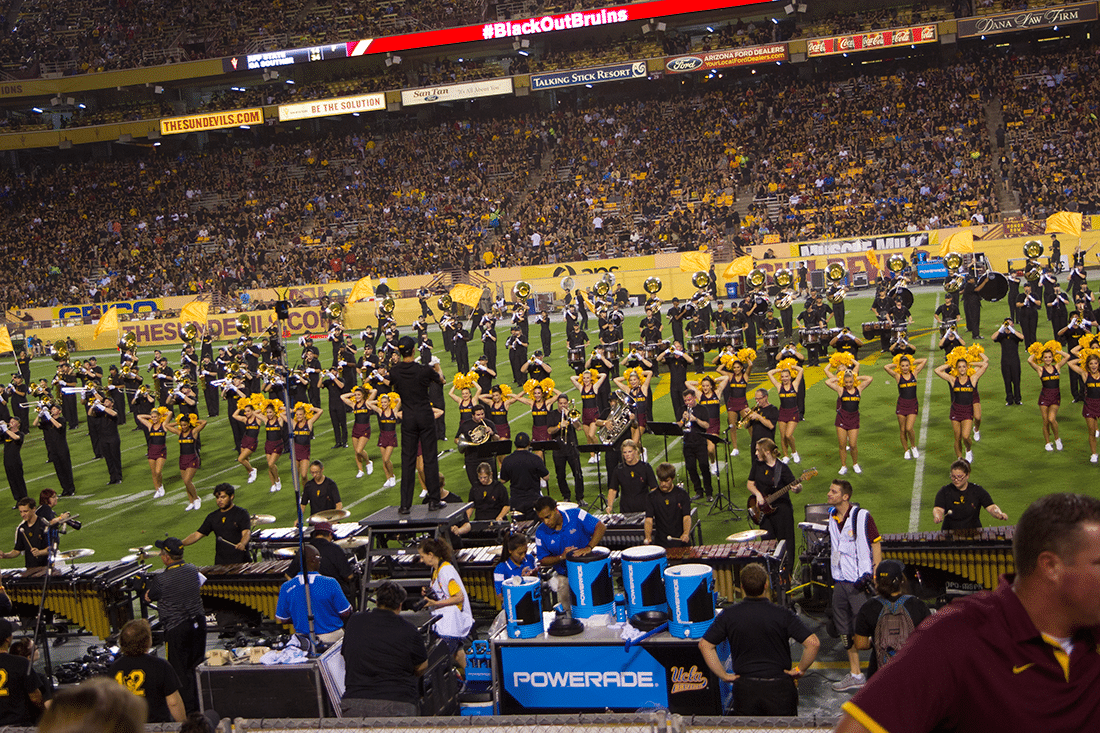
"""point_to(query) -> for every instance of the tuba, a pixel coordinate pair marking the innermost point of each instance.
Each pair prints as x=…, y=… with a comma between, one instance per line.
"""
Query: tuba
x=189, y=333
x=334, y=311
x=603, y=287
x=568, y=283
x=521, y=290
x=445, y=302
x=59, y=351
x=652, y=285
x=480, y=435
x=1034, y=271
x=388, y=305
x=701, y=279
x=784, y=278
x=756, y=279
x=129, y=340
x=618, y=421
x=1033, y=249
x=952, y=261
x=895, y=263
x=244, y=325
x=835, y=273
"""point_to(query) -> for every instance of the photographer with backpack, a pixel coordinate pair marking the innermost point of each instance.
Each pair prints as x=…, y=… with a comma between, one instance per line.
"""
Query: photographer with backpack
x=885, y=622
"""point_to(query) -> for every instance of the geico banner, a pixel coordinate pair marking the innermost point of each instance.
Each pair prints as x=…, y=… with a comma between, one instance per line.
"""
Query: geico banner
x=870, y=41
x=726, y=58
x=136, y=307
x=455, y=92
x=598, y=75
x=332, y=107
x=1024, y=20
x=224, y=327
x=848, y=246
x=586, y=267
x=212, y=121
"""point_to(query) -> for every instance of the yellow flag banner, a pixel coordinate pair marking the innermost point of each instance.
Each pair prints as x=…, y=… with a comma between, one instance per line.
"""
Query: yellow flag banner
x=872, y=261
x=960, y=242
x=466, y=294
x=5, y=341
x=695, y=261
x=197, y=311
x=1067, y=222
x=109, y=322
x=740, y=267
x=362, y=290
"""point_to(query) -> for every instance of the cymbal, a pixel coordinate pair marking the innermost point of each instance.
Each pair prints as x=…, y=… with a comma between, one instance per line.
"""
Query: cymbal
x=74, y=554
x=286, y=552
x=747, y=536
x=142, y=550
x=263, y=519
x=332, y=515
x=351, y=543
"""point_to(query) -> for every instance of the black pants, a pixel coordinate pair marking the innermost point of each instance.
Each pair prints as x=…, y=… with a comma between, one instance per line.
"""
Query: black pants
x=1029, y=324
x=517, y=359
x=213, y=401
x=337, y=412
x=69, y=410
x=418, y=430
x=697, y=462
x=838, y=314
x=677, y=395
x=186, y=647
x=545, y=337
x=93, y=438
x=314, y=395
x=1010, y=373
x=765, y=697
x=14, y=471
x=780, y=526
x=786, y=316
x=111, y=450
x=238, y=432
x=1076, y=385
x=63, y=468
x=461, y=356
x=491, y=353
x=568, y=455
x=972, y=309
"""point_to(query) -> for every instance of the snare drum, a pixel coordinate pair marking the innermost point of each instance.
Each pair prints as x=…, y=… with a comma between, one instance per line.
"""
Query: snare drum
x=575, y=357
x=809, y=336
x=714, y=342
x=613, y=351
x=695, y=345
x=736, y=338
x=874, y=329
x=637, y=346
x=771, y=339
x=656, y=349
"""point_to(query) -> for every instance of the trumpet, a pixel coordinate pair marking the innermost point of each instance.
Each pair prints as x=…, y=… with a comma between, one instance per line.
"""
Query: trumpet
x=573, y=413
x=744, y=422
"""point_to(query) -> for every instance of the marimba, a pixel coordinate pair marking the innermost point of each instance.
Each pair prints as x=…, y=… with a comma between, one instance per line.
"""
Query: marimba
x=254, y=585
x=978, y=555
x=728, y=559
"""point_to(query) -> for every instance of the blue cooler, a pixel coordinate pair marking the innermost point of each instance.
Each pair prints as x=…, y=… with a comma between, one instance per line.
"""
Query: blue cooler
x=590, y=583
x=523, y=607
x=690, y=592
x=643, y=579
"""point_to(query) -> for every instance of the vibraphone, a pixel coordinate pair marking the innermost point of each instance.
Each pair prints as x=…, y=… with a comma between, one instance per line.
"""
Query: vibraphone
x=254, y=585
x=94, y=596
x=275, y=537
x=728, y=559
x=978, y=555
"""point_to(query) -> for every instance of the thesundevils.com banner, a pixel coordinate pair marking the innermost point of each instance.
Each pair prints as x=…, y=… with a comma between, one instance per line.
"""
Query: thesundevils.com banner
x=871, y=41
x=212, y=121
x=726, y=58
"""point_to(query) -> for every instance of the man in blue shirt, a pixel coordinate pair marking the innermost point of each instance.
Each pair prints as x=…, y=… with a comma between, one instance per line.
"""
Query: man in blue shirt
x=561, y=533
x=330, y=605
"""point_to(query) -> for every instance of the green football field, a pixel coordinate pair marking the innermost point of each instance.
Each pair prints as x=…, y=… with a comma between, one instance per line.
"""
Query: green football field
x=1010, y=461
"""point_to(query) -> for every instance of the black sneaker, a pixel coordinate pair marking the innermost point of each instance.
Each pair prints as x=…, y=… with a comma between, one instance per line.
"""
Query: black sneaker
x=698, y=496
x=403, y=510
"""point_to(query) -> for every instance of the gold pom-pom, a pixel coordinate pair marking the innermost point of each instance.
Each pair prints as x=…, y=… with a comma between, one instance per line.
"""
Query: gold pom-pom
x=547, y=385
x=244, y=402
x=505, y=390
x=529, y=387
x=786, y=364
x=746, y=356
x=841, y=360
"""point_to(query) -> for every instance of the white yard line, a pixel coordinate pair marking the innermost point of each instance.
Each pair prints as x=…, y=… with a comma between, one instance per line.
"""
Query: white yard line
x=922, y=441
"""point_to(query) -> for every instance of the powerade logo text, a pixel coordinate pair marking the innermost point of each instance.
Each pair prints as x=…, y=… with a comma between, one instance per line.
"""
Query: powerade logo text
x=585, y=679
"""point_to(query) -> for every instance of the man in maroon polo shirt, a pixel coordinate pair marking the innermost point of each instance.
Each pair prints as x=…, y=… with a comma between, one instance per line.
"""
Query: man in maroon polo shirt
x=1024, y=657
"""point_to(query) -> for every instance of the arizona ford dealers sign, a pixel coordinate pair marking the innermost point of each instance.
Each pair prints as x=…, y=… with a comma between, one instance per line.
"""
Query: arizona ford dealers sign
x=726, y=58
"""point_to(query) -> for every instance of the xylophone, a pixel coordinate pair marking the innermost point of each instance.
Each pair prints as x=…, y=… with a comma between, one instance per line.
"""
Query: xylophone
x=727, y=560
x=252, y=584
x=288, y=536
x=978, y=555
x=95, y=596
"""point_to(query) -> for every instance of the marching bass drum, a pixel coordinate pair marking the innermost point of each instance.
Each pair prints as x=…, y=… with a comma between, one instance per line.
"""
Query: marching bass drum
x=996, y=287
x=905, y=294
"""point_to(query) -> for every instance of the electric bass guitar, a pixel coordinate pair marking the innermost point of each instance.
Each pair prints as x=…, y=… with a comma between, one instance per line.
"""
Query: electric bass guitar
x=758, y=511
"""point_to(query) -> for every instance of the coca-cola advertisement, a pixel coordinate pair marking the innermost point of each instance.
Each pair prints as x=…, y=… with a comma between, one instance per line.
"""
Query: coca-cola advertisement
x=871, y=41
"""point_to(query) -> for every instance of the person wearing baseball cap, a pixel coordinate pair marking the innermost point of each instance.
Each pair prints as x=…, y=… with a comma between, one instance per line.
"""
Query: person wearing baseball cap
x=891, y=586
x=176, y=591
x=334, y=561
x=411, y=381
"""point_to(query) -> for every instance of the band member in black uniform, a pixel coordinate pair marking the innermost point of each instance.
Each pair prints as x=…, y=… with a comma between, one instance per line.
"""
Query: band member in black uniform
x=13, y=459
x=543, y=319
x=695, y=446
x=334, y=385
x=601, y=363
x=50, y=421
x=768, y=475
x=460, y=350
x=163, y=377
x=103, y=413
x=233, y=391
x=23, y=362
x=611, y=338
x=950, y=340
x=963, y=387
x=812, y=318
x=770, y=327
x=838, y=306
x=31, y=536
x=477, y=417
x=313, y=369
x=1059, y=316
x=517, y=354
x=207, y=374
x=1009, y=339
x=677, y=361
x=582, y=309
x=676, y=320
x=972, y=303
x=69, y=401
x=723, y=319
x=650, y=327
x=418, y=431
x=1027, y=310
x=488, y=330
x=1014, y=281
x=536, y=367
x=563, y=429
x=17, y=393
x=746, y=319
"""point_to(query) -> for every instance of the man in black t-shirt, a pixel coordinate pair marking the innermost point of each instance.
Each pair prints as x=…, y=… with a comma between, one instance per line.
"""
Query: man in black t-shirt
x=524, y=471
x=320, y=492
x=488, y=496
x=762, y=418
x=631, y=480
x=20, y=702
x=31, y=537
x=334, y=561
x=769, y=476
x=231, y=526
x=759, y=634
x=959, y=504
x=667, y=511
x=147, y=676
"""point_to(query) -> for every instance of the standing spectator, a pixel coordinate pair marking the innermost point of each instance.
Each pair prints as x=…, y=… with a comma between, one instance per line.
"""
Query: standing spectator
x=146, y=676
x=176, y=591
x=884, y=623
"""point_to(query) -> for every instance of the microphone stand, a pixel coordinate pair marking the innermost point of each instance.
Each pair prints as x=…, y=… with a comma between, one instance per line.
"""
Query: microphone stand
x=52, y=550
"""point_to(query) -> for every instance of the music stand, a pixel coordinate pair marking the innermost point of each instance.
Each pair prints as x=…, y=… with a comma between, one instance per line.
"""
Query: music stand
x=489, y=450
x=665, y=430
x=723, y=503
x=601, y=501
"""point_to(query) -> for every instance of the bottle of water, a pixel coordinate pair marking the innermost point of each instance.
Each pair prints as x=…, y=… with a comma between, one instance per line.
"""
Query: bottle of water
x=620, y=608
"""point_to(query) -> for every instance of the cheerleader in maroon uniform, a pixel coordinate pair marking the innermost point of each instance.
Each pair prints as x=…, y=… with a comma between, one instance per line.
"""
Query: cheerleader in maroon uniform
x=636, y=384
x=497, y=404
x=539, y=401
x=250, y=439
x=904, y=368
x=301, y=432
x=964, y=385
x=787, y=384
x=388, y=408
x=849, y=391
x=466, y=400
x=737, y=404
x=709, y=407
x=588, y=383
x=188, y=428
x=356, y=400
x=1044, y=359
x=1090, y=373
x=274, y=425
x=156, y=441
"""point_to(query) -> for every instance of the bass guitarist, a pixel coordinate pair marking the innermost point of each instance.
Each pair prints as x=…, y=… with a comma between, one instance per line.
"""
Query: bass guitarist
x=777, y=517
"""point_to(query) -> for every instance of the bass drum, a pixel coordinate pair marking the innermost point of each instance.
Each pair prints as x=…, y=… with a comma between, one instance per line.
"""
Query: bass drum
x=996, y=287
x=906, y=296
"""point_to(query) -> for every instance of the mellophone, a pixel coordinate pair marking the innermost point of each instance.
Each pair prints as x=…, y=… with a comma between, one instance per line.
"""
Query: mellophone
x=95, y=596
x=978, y=555
x=727, y=560
x=251, y=584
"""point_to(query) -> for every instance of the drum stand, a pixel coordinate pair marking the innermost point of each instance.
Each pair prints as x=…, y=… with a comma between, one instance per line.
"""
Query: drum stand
x=600, y=502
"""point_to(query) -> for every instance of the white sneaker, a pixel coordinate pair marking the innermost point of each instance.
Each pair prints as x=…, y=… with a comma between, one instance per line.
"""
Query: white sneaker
x=970, y=456
x=159, y=492
x=391, y=481
x=785, y=459
x=856, y=468
x=1058, y=444
x=189, y=507
x=594, y=458
x=276, y=487
x=735, y=452
x=977, y=436
x=359, y=474
x=915, y=453
x=714, y=468
x=843, y=470
x=423, y=493
x=1049, y=447
x=1093, y=458
x=197, y=504
x=542, y=483
x=795, y=458
x=370, y=467
x=645, y=455
x=908, y=455
x=252, y=475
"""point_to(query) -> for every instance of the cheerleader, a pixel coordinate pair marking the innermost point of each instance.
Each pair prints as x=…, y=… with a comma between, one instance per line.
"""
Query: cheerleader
x=1050, y=394
x=737, y=405
x=245, y=414
x=156, y=445
x=849, y=391
x=588, y=384
x=305, y=416
x=964, y=387
x=388, y=409
x=356, y=401
x=539, y=402
x=787, y=385
x=465, y=400
x=636, y=384
x=708, y=407
x=1090, y=374
x=188, y=428
x=274, y=424
x=497, y=403
x=904, y=368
